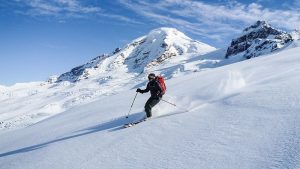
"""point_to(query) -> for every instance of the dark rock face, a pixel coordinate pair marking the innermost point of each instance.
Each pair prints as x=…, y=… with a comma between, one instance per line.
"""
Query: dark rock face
x=258, y=39
x=117, y=50
x=76, y=73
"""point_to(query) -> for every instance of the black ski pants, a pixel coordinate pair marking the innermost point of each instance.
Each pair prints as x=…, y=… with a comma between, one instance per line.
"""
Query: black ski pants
x=151, y=102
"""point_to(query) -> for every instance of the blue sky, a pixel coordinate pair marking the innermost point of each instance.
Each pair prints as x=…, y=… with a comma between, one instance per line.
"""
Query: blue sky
x=40, y=38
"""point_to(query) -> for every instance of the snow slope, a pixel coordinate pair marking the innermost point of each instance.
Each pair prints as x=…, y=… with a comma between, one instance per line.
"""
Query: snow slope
x=163, y=50
x=243, y=115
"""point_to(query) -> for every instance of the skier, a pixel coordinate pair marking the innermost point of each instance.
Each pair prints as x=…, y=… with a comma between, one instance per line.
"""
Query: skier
x=156, y=88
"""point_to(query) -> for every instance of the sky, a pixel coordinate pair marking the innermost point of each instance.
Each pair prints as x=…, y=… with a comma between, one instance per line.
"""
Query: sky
x=40, y=38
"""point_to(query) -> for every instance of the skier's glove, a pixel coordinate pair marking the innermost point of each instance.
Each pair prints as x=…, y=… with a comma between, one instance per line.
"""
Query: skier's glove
x=139, y=90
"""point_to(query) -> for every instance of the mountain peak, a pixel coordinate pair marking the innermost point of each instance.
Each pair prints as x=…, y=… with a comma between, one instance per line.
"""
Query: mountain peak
x=158, y=46
x=166, y=31
x=257, y=39
x=258, y=25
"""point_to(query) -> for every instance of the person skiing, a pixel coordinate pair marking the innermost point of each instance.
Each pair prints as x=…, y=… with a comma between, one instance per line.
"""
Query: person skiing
x=156, y=91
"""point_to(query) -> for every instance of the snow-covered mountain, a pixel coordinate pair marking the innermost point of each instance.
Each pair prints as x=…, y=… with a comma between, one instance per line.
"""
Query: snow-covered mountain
x=241, y=116
x=258, y=39
x=158, y=47
x=163, y=51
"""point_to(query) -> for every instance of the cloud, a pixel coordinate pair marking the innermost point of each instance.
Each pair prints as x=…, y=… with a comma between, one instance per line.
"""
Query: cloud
x=207, y=19
x=58, y=8
x=68, y=9
x=121, y=18
x=218, y=21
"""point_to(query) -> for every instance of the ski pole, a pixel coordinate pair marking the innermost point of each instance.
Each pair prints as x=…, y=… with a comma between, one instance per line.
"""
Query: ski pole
x=131, y=105
x=169, y=102
x=175, y=105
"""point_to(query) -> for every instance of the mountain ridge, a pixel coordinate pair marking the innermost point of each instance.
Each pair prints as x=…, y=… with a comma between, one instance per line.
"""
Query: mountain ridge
x=258, y=39
x=159, y=45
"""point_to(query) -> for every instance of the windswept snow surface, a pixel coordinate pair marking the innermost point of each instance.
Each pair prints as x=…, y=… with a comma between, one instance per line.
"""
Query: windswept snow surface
x=243, y=115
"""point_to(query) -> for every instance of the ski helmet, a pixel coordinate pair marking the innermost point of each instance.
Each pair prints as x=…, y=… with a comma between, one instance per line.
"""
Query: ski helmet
x=151, y=76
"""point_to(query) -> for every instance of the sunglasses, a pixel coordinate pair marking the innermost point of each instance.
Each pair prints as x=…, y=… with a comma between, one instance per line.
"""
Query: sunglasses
x=151, y=77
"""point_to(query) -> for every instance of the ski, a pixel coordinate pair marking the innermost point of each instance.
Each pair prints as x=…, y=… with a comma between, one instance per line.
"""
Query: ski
x=133, y=123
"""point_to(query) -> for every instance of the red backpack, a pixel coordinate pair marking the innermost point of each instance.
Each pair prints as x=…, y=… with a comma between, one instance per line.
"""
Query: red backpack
x=161, y=81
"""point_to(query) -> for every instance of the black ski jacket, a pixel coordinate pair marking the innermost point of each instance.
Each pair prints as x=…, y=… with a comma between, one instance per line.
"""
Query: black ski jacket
x=155, y=89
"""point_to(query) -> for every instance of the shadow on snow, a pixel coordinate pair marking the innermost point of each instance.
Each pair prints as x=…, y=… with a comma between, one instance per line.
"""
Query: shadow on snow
x=112, y=125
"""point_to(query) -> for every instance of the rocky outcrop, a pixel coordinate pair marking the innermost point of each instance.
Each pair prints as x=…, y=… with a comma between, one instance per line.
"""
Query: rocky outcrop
x=81, y=72
x=258, y=39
